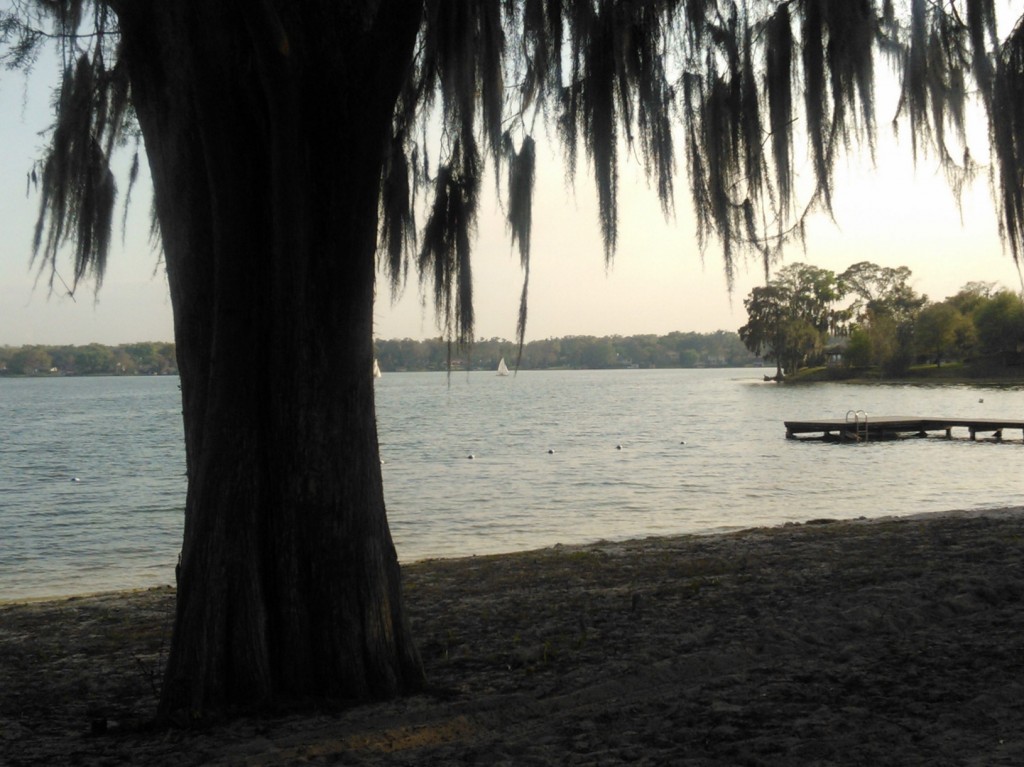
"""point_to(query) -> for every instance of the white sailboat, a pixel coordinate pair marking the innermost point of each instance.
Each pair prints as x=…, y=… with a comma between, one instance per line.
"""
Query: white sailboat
x=502, y=368
x=376, y=368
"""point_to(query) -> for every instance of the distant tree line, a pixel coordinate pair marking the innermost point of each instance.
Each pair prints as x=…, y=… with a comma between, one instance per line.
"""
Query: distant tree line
x=869, y=317
x=675, y=350
x=145, y=358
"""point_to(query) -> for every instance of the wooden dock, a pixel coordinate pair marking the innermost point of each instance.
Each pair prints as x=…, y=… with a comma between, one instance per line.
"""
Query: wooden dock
x=859, y=427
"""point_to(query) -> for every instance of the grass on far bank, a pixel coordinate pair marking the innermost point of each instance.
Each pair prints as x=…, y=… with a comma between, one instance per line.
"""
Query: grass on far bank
x=947, y=373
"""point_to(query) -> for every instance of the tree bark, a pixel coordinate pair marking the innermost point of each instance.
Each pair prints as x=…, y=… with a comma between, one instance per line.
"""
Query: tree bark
x=265, y=131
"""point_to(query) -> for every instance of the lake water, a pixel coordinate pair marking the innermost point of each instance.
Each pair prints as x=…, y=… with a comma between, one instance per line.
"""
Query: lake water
x=635, y=453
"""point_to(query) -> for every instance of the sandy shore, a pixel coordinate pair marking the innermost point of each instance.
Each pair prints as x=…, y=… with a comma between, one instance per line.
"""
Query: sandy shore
x=898, y=641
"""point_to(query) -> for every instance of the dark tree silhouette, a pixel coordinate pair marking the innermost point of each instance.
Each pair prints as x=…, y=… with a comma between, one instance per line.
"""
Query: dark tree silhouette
x=288, y=144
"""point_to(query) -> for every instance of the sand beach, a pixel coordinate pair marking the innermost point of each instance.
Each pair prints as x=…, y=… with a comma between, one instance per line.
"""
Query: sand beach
x=897, y=641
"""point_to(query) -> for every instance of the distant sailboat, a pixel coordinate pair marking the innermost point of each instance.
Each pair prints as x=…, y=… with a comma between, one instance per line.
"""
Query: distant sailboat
x=376, y=369
x=502, y=368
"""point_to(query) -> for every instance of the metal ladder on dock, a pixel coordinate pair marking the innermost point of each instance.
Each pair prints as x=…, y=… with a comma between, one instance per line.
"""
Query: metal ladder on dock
x=859, y=433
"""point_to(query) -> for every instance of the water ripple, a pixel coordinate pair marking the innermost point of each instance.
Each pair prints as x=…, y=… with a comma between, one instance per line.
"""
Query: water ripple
x=120, y=524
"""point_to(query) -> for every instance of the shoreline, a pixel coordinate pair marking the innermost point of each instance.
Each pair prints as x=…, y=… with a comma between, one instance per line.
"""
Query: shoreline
x=725, y=530
x=888, y=640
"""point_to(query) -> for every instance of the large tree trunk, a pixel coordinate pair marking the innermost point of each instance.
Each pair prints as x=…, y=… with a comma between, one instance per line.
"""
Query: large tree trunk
x=265, y=132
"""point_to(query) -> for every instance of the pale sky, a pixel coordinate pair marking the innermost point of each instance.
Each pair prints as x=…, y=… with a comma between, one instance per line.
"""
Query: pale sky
x=893, y=215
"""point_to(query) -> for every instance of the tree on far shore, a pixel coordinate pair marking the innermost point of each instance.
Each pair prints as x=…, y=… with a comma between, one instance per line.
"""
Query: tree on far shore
x=291, y=145
x=999, y=322
x=791, y=318
x=886, y=307
x=936, y=330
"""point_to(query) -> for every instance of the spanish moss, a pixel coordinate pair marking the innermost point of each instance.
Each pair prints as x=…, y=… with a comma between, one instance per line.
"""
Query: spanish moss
x=521, y=176
x=734, y=80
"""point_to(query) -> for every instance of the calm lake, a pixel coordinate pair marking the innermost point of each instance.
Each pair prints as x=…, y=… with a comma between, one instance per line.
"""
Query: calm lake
x=92, y=469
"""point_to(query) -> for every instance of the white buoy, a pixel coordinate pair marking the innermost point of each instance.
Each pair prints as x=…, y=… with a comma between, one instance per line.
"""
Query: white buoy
x=75, y=479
